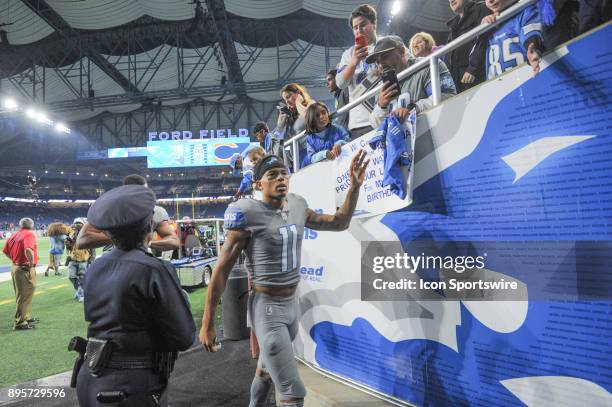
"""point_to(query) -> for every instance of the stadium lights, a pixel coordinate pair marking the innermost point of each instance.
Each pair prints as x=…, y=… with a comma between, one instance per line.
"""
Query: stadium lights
x=42, y=118
x=18, y=199
x=62, y=172
x=38, y=116
x=78, y=173
x=397, y=6
x=10, y=104
x=61, y=127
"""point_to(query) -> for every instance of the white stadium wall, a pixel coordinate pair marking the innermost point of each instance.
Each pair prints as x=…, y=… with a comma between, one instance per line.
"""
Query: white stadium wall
x=518, y=163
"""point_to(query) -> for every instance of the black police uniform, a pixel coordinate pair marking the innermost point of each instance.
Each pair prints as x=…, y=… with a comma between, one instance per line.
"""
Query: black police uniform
x=135, y=302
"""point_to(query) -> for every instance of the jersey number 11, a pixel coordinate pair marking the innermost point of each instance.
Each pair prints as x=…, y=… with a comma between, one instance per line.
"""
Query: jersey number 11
x=290, y=236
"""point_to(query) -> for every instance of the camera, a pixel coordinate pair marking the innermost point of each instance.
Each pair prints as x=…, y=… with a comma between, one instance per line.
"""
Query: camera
x=282, y=108
x=31, y=187
x=32, y=181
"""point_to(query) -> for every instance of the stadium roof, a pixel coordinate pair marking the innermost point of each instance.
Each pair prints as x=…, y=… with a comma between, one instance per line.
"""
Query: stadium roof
x=127, y=50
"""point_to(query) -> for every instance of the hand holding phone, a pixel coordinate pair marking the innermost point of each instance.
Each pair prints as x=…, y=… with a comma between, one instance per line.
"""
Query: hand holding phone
x=390, y=78
x=390, y=88
x=284, y=109
x=360, y=40
x=361, y=47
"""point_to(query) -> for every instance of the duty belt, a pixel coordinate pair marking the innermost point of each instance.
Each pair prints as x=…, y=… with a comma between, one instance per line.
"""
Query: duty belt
x=130, y=361
x=100, y=354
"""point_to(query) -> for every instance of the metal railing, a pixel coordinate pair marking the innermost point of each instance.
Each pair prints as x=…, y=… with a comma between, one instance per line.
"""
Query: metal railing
x=431, y=60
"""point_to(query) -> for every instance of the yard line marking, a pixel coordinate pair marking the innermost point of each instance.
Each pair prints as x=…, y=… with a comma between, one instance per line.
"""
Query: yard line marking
x=37, y=292
x=55, y=287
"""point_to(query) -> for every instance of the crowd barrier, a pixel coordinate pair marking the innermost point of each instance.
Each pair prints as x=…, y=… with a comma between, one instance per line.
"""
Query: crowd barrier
x=516, y=169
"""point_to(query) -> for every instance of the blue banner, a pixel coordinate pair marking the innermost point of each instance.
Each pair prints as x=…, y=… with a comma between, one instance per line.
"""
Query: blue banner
x=518, y=164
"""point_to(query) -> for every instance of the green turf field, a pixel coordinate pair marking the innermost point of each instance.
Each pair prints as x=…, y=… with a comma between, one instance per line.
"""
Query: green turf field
x=41, y=352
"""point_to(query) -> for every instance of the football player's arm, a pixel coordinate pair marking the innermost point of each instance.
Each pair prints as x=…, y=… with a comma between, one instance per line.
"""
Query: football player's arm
x=235, y=241
x=90, y=238
x=342, y=218
x=168, y=239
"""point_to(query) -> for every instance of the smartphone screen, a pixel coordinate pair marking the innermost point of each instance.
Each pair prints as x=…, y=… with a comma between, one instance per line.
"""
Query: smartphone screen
x=390, y=76
x=361, y=40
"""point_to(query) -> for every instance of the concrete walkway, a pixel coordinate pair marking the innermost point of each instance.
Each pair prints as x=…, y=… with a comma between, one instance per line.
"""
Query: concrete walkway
x=211, y=379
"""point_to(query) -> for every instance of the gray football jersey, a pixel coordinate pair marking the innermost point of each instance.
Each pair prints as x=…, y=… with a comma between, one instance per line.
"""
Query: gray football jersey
x=274, y=250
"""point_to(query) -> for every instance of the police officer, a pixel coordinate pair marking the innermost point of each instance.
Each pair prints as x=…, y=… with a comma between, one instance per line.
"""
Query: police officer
x=137, y=313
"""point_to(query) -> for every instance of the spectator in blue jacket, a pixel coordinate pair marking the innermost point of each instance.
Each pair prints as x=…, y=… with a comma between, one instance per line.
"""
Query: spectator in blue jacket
x=263, y=135
x=324, y=139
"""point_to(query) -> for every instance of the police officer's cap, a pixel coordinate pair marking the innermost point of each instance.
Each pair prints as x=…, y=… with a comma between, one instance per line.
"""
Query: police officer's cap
x=121, y=206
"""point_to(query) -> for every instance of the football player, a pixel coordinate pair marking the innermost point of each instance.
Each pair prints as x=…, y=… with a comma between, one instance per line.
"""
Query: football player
x=270, y=233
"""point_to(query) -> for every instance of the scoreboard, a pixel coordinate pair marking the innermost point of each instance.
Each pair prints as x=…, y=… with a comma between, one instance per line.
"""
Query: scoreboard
x=194, y=153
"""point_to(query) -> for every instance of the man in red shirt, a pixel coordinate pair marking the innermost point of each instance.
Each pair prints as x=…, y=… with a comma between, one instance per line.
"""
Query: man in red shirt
x=21, y=249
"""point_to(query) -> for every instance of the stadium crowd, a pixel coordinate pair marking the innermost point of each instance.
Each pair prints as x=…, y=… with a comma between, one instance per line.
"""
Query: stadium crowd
x=374, y=58
x=44, y=216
